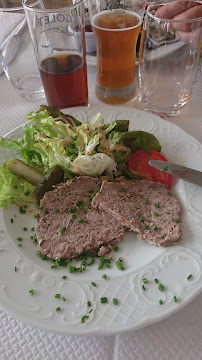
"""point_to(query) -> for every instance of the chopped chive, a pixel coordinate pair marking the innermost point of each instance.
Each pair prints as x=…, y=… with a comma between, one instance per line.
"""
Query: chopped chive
x=116, y=248
x=154, y=227
x=56, y=211
x=32, y=229
x=189, y=277
x=46, y=212
x=63, y=299
x=103, y=300
x=143, y=287
x=156, y=205
x=12, y=221
x=25, y=229
x=54, y=266
x=175, y=299
x=62, y=230
x=145, y=281
x=64, y=277
x=165, y=168
x=146, y=227
x=177, y=221
x=19, y=239
x=122, y=190
x=119, y=264
x=73, y=210
x=57, y=296
x=94, y=284
x=156, y=281
x=161, y=287
x=84, y=318
x=101, y=263
x=88, y=303
x=156, y=214
x=79, y=204
x=15, y=268
x=58, y=308
x=71, y=268
x=162, y=237
x=142, y=218
x=104, y=276
x=108, y=266
x=160, y=302
x=90, y=311
x=26, y=193
x=144, y=201
x=80, y=220
x=20, y=245
x=115, y=301
x=31, y=292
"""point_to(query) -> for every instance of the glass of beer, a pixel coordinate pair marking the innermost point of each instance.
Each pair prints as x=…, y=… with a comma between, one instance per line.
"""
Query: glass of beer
x=57, y=29
x=116, y=25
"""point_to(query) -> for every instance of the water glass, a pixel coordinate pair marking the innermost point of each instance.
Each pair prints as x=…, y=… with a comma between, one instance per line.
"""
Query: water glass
x=17, y=58
x=170, y=57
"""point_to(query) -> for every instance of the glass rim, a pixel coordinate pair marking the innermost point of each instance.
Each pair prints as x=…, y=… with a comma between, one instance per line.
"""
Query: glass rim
x=155, y=5
x=49, y=10
x=15, y=8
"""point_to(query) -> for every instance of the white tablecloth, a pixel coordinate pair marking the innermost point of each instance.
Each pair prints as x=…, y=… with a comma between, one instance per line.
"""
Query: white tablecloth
x=178, y=337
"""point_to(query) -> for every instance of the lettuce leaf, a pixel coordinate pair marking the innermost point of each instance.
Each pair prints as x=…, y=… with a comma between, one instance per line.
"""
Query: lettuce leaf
x=93, y=165
x=135, y=140
x=13, y=189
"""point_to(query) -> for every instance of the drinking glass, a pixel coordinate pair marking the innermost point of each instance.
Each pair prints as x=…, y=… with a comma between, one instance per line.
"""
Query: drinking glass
x=170, y=58
x=17, y=58
x=57, y=29
x=116, y=25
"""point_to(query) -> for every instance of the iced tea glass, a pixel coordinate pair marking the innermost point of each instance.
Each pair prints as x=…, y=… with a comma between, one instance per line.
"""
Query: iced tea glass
x=116, y=25
x=57, y=29
x=170, y=55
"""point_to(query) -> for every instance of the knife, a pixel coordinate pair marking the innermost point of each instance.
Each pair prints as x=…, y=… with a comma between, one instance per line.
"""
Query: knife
x=190, y=175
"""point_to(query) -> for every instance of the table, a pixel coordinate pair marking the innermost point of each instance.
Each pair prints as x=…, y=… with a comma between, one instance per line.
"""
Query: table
x=178, y=337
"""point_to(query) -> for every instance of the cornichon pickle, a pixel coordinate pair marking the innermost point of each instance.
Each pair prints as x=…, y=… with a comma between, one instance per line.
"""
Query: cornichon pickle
x=25, y=171
x=54, y=176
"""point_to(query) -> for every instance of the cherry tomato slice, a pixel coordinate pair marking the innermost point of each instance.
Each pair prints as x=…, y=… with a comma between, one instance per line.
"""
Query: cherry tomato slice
x=138, y=163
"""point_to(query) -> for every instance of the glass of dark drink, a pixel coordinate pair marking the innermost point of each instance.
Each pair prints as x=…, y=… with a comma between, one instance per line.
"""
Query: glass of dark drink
x=57, y=30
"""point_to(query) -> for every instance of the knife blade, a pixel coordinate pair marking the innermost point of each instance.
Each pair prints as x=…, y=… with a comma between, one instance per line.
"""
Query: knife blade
x=182, y=172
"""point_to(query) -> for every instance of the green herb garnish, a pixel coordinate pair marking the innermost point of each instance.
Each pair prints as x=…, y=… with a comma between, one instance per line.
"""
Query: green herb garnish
x=62, y=230
x=161, y=287
x=103, y=300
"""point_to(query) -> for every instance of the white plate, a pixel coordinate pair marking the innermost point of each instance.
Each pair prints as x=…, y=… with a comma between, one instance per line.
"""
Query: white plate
x=137, y=308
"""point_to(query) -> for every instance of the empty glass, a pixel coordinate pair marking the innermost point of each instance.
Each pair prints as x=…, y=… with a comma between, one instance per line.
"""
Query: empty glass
x=170, y=56
x=17, y=57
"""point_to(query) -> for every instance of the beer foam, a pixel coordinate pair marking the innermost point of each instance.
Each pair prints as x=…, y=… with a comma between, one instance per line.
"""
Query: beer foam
x=119, y=22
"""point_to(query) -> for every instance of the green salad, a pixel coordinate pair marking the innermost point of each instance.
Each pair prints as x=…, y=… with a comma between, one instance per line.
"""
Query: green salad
x=79, y=148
